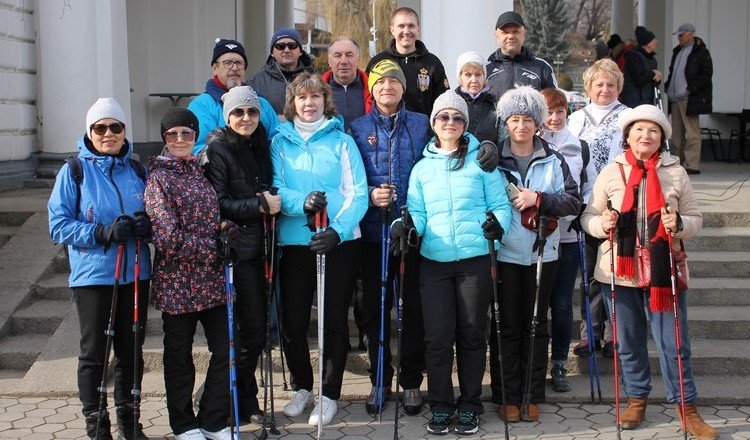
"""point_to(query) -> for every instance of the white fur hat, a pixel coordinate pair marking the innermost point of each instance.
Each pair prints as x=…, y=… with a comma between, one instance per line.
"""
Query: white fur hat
x=470, y=57
x=524, y=100
x=104, y=108
x=646, y=112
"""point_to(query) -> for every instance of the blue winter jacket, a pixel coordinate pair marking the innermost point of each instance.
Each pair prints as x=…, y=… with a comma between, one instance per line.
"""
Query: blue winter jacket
x=547, y=173
x=449, y=206
x=208, y=108
x=389, y=151
x=328, y=161
x=110, y=188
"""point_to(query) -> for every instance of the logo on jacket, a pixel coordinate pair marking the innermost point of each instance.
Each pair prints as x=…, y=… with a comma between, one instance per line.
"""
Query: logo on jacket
x=372, y=139
x=530, y=75
x=423, y=79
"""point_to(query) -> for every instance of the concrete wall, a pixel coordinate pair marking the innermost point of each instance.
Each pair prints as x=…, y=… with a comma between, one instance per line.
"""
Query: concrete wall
x=18, y=89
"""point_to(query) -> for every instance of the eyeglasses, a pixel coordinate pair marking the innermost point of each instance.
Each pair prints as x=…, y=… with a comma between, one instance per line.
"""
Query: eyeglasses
x=281, y=46
x=445, y=118
x=240, y=112
x=185, y=135
x=101, y=129
x=228, y=64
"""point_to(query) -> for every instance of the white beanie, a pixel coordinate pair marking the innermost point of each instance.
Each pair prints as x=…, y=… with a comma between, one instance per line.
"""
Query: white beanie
x=453, y=100
x=646, y=112
x=523, y=100
x=104, y=108
x=469, y=57
x=237, y=97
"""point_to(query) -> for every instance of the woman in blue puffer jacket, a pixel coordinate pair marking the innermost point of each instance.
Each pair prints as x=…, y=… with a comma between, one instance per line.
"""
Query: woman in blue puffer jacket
x=448, y=198
x=94, y=218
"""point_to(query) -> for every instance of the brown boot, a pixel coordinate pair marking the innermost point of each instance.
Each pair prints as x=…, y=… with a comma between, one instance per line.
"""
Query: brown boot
x=634, y=413
x=511, y=410
x=532, y=415
x=696, y=427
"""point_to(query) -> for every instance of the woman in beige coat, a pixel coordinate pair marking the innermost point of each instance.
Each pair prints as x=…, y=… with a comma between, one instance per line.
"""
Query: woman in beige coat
x=651, y=197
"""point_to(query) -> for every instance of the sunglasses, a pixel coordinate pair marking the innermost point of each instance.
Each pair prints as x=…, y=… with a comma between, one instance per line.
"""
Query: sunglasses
x=228, y=64
x=445, y=118
x=240, y=112
x=101, y=129
x=281, y=46
x=185, y=135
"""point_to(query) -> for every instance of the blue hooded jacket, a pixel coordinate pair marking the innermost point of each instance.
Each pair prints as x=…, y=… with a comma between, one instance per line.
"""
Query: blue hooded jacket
x=327, y=161
x=208, y=108
x=110, y=188
x=449, y=206
x=389, y=150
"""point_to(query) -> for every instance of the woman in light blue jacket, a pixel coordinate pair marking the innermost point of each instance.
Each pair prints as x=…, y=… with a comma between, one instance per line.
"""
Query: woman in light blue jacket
x=449, y=197
x=316, y=165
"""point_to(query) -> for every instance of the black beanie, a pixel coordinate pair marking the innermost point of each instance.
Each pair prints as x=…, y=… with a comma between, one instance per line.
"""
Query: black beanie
x=223, y=46
x=643, y=36
x=613, y=41
x=179, y=117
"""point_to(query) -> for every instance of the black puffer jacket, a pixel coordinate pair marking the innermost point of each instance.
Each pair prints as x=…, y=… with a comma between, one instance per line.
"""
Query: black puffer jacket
x=270, y=82
x=699, y=69
x=638, y=87
x=525, y=69
x=239, y=168
x=482, y=119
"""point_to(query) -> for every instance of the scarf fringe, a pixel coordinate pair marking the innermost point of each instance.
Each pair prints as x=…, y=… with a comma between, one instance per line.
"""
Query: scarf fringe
x=661, y=299
x=625, y=266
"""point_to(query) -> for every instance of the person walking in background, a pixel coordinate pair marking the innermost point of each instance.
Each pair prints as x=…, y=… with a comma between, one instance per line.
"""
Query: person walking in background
x=641, y=74
x=95, y=217
x=690, y=92
x=666, y=205
x=425, y=74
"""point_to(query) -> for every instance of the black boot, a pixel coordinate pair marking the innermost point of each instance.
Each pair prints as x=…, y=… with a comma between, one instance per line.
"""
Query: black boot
x=127, y=429
x=92, y=420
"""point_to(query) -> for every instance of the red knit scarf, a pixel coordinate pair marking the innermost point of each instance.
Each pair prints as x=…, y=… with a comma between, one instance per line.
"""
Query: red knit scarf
x=627, y=228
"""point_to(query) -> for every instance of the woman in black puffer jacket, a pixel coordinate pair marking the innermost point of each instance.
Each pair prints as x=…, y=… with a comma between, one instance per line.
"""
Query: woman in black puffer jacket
x=239, y=168
x=472, y=79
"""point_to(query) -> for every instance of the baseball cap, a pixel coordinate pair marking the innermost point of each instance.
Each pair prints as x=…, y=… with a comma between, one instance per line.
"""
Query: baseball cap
x=507, y=18
x=685, y=27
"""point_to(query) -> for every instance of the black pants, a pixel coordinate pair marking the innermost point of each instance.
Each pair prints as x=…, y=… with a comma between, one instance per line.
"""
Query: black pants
x=250, y=314
x=298, y=287
x=412, y=357
x=455, y=297
x=517, y=293
x=93, y=305
x=179, y=371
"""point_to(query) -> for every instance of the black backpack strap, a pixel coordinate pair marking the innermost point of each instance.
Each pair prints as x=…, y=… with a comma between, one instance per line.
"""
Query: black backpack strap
x=586, y=156
x=76, y=173
x=139, y=169
x=510, y=177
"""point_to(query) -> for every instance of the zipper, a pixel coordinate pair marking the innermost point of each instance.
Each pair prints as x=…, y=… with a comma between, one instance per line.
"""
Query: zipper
x=450, y=204
x=117, y=190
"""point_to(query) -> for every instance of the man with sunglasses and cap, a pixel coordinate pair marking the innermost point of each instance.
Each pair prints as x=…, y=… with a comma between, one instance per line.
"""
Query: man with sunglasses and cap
x=285, y=62
x=228, y=63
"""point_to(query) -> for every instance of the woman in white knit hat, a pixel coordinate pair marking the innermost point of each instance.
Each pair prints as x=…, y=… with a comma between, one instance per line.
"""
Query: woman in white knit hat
x=449, y=197
x=472, y=87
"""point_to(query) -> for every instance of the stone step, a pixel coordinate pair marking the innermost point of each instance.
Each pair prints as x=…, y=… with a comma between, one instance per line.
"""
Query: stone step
x=14, y=218
x=41, y=317
x=20, y=352
x=719, y=264
x=6, y=232
x=720, y=239
x=53, y=288
x=726, y=219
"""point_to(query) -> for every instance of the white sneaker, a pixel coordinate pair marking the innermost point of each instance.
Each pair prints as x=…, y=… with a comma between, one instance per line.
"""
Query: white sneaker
x=224, y=434
x=297, y=405
x=193, y=434
x=329, y=410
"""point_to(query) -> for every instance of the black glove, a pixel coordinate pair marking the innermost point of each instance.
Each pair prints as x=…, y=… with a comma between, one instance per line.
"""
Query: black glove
x=401, y=231
x=487, y=156
x=315, y=202
x=228, y=236
x=492, y=229
x=575, y=224
x=118, y=231
x=141, y=225
x=323, y=242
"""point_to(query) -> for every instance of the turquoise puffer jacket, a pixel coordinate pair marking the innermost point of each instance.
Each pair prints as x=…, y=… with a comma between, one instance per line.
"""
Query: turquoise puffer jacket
x=449, y=206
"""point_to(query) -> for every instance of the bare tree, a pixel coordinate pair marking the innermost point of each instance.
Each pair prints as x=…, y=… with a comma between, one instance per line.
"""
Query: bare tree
x=353, y=18
x=592, y=17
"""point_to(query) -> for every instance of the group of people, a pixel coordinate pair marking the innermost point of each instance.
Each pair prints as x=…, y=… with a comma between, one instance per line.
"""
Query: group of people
x=371, y=169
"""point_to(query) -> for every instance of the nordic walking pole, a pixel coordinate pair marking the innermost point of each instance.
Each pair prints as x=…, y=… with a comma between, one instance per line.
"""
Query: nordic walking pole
x=613, y=313
x=110, y=332
x=403, y=247
x=384, y=245
x=593, y=362
x=279, y=322
x=496, y=310
x=321, y=223
x=234, y=408
x=269, y=224
x=541, y=241
x=677, y=334
x=136, y=336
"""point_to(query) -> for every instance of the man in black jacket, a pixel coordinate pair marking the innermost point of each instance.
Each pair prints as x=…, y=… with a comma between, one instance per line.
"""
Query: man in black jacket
x=425, y=74
x=641, y=73
x=513, y=65
x=690, y=94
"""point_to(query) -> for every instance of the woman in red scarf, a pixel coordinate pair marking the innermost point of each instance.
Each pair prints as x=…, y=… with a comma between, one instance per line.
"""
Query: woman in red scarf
x=640, y=184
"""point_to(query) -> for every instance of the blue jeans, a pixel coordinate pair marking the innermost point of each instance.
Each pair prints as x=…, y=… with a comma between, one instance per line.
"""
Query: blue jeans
x=561, y=301
x=632, y=307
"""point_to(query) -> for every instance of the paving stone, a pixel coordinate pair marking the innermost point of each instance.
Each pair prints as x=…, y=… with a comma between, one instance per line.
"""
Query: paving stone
x=41, y=412
x=28, y=422
x=15, y=433
x=11, y=416
x=49, y=428
x=60, y=418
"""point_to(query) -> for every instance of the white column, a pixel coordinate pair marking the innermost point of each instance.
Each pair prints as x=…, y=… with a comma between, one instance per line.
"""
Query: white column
x=83, y=55
x=448, y=29
x=622, y=18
